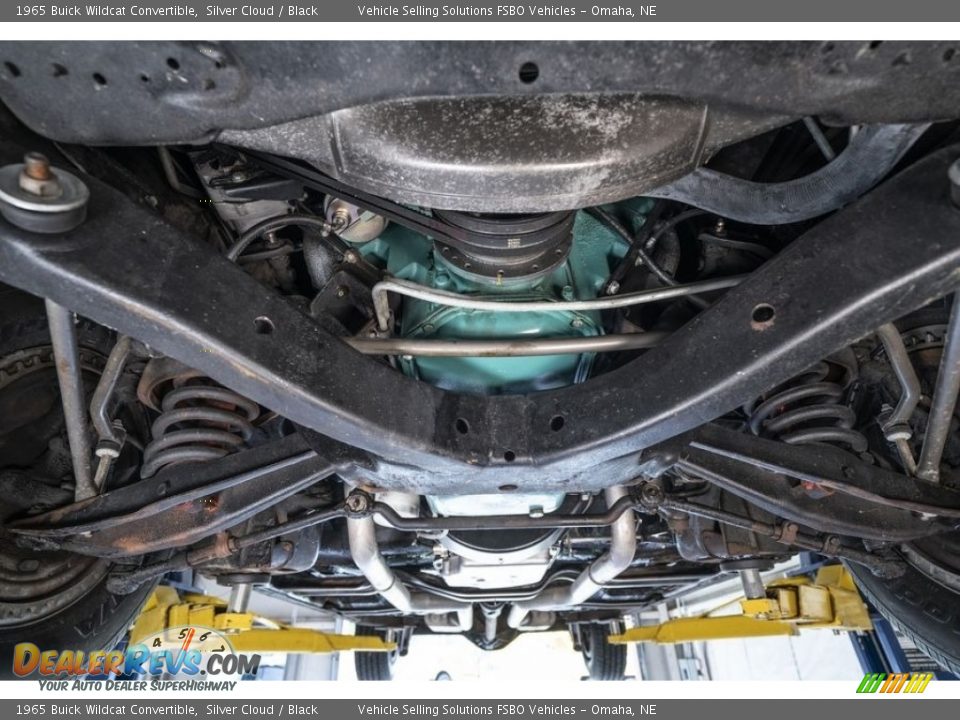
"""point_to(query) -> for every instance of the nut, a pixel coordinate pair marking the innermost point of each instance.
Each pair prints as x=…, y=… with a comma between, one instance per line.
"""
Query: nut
x=651, y=495
x=37, y=178
x=357, y=502
x=36, y=166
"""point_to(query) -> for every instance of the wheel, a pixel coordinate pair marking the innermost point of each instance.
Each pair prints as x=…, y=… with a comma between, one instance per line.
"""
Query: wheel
x=375, y=665
x=919, y=606
x=604, y=660
x=924, y=603
x=52, y=599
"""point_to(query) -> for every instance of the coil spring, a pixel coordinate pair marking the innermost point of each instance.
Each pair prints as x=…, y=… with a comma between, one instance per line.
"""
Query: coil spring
x=198, y=422
x=809, y=408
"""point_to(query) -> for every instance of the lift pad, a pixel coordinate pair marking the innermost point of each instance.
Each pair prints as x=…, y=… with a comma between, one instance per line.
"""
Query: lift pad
x=830, y=601
x=167, y=609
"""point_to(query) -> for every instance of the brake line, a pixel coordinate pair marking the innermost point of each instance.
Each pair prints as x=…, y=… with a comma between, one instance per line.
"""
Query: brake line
x=442, y=297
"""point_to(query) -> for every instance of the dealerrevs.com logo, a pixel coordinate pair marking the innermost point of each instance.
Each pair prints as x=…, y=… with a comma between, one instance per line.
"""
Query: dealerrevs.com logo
x=186, y=658
x=913, y=683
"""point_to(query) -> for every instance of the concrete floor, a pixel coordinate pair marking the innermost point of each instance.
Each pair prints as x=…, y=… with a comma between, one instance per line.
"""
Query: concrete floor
x=535, y=656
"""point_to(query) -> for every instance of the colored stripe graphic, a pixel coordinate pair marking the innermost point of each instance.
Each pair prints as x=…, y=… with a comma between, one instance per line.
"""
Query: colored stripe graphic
x=894, y=682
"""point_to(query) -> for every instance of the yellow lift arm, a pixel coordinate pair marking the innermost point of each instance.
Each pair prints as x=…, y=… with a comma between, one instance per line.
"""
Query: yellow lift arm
x=830, y=601
x=167, y=609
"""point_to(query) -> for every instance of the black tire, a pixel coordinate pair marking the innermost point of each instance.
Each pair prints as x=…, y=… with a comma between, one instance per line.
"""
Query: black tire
x=376, y=666
x=96, y=621
x=923, y=610
x=604, y=660
x=81, y=614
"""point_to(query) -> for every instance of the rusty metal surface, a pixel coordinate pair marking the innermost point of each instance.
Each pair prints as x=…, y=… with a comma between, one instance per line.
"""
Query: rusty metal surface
x=183, y=505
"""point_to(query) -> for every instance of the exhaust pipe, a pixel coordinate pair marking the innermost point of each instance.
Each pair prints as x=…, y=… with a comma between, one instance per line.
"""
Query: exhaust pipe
x=623, y=546
x=361, y=533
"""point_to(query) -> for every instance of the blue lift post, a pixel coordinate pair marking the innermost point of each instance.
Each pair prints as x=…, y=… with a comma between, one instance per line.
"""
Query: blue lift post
x=880, y=651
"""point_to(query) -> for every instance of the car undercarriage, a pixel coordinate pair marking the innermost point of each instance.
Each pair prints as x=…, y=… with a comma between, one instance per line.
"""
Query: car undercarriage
x=479, y=338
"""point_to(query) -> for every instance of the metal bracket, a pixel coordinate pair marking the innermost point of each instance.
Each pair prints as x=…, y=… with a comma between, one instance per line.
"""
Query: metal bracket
x=247, y=632
x=182, y=505
x=759, y=470
x=830, y=602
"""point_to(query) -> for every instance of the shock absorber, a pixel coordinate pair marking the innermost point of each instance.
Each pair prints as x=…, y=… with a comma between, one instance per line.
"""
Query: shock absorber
x=809, y=408
x=199, y=419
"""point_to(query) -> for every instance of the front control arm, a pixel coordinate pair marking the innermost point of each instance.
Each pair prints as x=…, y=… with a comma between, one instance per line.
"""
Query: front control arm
x=894, y=250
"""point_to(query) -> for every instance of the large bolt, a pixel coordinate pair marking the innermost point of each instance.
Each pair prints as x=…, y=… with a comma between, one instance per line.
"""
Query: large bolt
x=954, y=174
x=40, y=198
x=36, y=166
x=37, y=178
x=340, y=218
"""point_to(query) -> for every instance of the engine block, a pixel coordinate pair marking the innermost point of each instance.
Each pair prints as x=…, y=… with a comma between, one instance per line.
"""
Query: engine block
x=594, y=251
